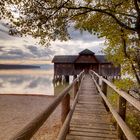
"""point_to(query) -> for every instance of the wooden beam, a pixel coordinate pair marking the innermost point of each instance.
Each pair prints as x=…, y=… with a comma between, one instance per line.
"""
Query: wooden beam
x=75, y=88
x=104, y=90
x=65, y=107
x=122, y=113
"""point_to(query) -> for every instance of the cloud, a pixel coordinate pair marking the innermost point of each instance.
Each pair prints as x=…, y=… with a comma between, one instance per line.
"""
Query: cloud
x=4, y=32
x=1, y=48
x=40, y=51
x=84, y=36
x=74, y=47
x=27, y=48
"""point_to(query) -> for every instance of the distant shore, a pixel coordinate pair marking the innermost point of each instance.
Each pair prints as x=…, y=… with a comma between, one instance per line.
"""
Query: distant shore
x=15, y=66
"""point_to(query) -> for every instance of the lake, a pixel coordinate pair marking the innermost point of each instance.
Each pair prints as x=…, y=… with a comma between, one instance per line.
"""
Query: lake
x=27, y=81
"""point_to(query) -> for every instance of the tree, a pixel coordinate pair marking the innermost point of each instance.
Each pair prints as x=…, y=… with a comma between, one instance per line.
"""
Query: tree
x=118, y=21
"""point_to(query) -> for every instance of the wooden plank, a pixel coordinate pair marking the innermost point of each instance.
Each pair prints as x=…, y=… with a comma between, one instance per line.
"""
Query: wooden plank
x=93, y=124
x=93, y=134
x=72, y=137
x=90, y=119
x=88, y=106
x=90, y=103
x=93, y=130
x=106, y=127
x=100, y=116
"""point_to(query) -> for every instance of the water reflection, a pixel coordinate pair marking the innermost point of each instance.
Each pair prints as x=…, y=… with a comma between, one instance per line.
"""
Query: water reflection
x=26, y=83
x=61, y=84
x=30, y=82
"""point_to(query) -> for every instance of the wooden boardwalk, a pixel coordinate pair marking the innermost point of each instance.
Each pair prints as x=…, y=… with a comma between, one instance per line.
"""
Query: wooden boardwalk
x=90, y=120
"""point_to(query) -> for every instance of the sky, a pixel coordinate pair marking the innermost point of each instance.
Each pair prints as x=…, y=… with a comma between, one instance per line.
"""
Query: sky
x=13, y=48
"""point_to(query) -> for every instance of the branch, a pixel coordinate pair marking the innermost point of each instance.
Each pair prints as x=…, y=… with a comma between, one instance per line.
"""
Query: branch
x=137, y=7
x=124, y=14
x=104, y=12
x=128, y=56
x=119, y=4
x=58, y=8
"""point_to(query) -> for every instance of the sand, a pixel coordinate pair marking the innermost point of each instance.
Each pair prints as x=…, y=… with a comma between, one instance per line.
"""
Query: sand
x=16, y=111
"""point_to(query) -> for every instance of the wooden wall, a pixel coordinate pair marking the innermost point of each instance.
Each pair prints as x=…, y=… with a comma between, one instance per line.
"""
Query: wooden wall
x=86, y=59
x=109, y=70
x=70, y=69
x=63, y=69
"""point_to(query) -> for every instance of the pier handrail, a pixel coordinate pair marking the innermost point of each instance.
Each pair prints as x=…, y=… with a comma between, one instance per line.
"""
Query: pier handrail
x=30, y=129
x=65, y=127
x=123, y=97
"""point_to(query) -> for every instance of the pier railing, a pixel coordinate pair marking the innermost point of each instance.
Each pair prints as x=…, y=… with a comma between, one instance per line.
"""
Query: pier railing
x=101, y=84
x=29, y=130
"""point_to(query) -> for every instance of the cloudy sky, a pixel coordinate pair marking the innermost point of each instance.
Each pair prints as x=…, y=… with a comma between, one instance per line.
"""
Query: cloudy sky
x=27, y=48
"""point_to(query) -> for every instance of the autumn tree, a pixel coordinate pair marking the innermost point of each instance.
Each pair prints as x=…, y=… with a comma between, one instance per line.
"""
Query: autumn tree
x=118, y=21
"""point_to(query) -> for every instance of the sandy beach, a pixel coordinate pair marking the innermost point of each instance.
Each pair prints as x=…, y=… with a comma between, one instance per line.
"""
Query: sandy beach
x=16, y=111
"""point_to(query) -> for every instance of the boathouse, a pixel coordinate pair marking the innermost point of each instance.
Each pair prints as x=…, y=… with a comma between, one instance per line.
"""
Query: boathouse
x=73, y=64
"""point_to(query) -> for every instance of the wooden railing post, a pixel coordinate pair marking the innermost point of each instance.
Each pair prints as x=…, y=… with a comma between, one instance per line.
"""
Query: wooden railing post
x=97, y=80
x=79, y=80
x=65, y=107
x=104, y=90
x=75, y=89
x=122, y=113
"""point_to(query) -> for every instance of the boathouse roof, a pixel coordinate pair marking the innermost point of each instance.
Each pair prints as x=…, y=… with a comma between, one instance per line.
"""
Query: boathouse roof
x=86, y=52
x=72, y=58
x=64, y=58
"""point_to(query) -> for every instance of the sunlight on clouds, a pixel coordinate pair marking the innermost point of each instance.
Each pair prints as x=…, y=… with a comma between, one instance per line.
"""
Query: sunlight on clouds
x=27, y=48
x=74, y=47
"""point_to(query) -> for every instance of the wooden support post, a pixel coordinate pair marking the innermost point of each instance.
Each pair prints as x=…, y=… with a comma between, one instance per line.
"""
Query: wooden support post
x=79, y=80
x=98, y=80
x=75, y=89
x=122, y=113
x=65, y=107
x=67, y=78
x=104, y=90
x=75, y=76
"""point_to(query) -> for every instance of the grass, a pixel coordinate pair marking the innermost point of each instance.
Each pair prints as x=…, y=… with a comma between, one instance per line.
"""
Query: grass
x=60, y=87
x=133, y=120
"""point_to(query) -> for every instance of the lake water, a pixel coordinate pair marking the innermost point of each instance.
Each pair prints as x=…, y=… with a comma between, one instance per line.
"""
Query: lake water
x=27, y=81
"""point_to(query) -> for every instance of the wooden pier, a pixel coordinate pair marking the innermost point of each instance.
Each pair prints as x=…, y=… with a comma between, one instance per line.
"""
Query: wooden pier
x=88, y=118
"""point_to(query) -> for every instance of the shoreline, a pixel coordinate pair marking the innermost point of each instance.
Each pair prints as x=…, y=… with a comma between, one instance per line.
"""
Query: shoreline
x=23, y=94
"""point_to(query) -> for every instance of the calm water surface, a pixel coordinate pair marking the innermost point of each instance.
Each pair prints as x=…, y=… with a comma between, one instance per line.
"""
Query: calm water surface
x=27, y=81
